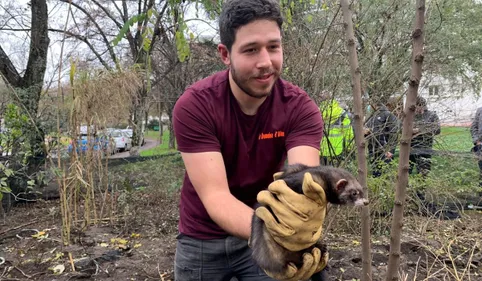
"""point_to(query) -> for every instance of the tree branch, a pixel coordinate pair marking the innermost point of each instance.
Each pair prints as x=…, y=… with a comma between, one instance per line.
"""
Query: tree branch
x=8, y=70
x=322, y=44
x=117, y=8
x=101, y=32
x=86, y=41
x=156, y=28
x=119, y=25
x=129, y=36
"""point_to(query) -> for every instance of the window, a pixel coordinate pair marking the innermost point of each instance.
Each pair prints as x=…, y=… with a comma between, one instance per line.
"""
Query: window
x=434, y=91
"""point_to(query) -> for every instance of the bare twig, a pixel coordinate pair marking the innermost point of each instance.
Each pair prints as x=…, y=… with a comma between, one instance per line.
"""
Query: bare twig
x=23, y=273
x=71, y=260
x=19, y=226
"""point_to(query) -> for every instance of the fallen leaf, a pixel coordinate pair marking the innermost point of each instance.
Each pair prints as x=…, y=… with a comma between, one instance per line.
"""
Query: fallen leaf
x=39, y=234
x=104, y=245
x=118, y=240
x=137, y=245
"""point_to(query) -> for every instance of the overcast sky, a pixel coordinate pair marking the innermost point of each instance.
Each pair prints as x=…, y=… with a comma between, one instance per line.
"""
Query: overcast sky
x=16, y=44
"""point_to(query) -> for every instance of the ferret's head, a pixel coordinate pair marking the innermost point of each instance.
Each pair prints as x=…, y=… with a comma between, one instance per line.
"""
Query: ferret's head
x=350, y=192
x=343, y=187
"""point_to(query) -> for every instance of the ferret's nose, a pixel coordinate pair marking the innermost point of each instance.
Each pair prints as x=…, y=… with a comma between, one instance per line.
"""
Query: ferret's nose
x=365, y=202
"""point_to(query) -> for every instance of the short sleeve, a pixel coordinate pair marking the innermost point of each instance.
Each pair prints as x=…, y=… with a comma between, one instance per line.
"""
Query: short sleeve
x=194, y=125
x=306, y=126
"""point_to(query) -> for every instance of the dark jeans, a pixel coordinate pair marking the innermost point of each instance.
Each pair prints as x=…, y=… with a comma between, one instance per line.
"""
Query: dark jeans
x=215, y=260
x=422, y=162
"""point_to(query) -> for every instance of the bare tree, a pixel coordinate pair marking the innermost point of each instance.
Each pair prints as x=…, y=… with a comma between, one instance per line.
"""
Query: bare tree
x=359, y=137
x=403, y=166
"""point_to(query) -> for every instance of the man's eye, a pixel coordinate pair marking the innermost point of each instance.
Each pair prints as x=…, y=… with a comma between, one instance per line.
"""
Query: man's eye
x=250, y=51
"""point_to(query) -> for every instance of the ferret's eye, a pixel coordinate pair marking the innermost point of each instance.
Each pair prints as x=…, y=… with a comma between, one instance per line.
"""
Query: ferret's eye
x=354, y=193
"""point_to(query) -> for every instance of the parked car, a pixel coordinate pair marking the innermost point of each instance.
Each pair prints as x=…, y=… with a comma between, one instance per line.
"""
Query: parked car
x=122, y=140
x=130, y=133
x=98, y=142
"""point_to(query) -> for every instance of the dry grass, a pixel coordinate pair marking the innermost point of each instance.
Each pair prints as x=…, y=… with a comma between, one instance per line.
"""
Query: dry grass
x=98, y=99
x=104, y=97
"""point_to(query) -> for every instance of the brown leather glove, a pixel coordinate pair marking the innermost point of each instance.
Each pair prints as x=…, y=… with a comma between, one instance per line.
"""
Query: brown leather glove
x=300, y=216
x=312, y=262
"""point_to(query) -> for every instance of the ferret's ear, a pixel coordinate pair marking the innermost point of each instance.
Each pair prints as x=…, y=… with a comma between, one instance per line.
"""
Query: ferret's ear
x=341, y=184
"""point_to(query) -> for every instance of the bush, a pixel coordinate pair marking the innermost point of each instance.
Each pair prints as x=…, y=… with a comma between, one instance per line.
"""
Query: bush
x=152, y=123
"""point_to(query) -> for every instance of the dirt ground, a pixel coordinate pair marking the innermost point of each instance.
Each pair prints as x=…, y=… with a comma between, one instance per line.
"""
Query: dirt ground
x=31, y=247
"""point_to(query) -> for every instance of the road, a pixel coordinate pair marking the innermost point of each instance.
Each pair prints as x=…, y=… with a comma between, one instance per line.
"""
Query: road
x=150, y=143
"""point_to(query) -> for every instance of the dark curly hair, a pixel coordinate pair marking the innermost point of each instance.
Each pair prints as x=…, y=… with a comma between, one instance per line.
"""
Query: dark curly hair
x=421, y=101
x=237, y=13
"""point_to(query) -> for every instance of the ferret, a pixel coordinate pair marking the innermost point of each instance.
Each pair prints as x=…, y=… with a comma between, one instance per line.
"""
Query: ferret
x=341, y=188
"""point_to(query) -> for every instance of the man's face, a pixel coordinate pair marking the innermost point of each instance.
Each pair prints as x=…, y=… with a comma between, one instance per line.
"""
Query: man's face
x=419, y=109
x=256, y=57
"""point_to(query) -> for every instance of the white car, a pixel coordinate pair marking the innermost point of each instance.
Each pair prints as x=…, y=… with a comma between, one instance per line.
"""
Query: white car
x=122, y=140
x=130, y=132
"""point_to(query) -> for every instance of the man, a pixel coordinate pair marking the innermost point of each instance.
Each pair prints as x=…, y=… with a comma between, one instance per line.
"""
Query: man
x=476, y=132
x=339, y=136
x=382, y=133
x=234, y=130
x=426, y=126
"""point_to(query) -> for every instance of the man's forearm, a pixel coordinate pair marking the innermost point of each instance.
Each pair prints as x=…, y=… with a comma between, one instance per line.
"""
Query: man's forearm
x=230, y=214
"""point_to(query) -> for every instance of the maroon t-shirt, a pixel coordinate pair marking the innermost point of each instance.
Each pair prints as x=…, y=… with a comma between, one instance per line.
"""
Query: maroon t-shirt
x=207, y=117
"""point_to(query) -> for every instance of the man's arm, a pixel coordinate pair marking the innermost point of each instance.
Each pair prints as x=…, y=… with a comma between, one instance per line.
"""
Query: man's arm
x=435, y=124
x=207, y=173
x=307, y=155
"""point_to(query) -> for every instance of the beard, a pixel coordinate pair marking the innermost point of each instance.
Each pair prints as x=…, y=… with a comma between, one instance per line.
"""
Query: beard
x=245, y=83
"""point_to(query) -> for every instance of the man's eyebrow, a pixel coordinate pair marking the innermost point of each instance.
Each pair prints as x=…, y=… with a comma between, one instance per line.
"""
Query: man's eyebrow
x=250, y=44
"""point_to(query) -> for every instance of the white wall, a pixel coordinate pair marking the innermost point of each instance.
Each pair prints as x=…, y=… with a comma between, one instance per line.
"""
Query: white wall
x=455, y=104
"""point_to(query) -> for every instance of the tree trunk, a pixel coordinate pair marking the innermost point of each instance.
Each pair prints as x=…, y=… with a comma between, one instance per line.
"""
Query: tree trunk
x=27, y=92
x=403, y=166
x=161, y=126
x=32, y=82
x=139, y=111
x=172, y=138
x=359, y=138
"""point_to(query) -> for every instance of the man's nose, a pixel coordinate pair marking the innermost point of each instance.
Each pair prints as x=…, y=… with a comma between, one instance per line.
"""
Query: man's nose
x=264, y=59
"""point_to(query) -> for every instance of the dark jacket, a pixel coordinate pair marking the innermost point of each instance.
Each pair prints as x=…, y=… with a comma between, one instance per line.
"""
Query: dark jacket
x=384, y=128
x=429, y=125
x=476, y=127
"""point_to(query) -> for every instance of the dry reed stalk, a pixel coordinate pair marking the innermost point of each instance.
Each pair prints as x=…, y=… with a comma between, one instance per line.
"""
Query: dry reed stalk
x=98, y=99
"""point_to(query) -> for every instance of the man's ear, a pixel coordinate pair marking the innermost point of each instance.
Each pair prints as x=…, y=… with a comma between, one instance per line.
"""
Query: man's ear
x=224, y=54
x=341, y=184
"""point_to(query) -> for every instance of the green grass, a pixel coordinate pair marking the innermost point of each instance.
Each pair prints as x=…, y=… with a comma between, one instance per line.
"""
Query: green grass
x=455, y=139
x=154, y=134
x=161, y=149
x=155, y=175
